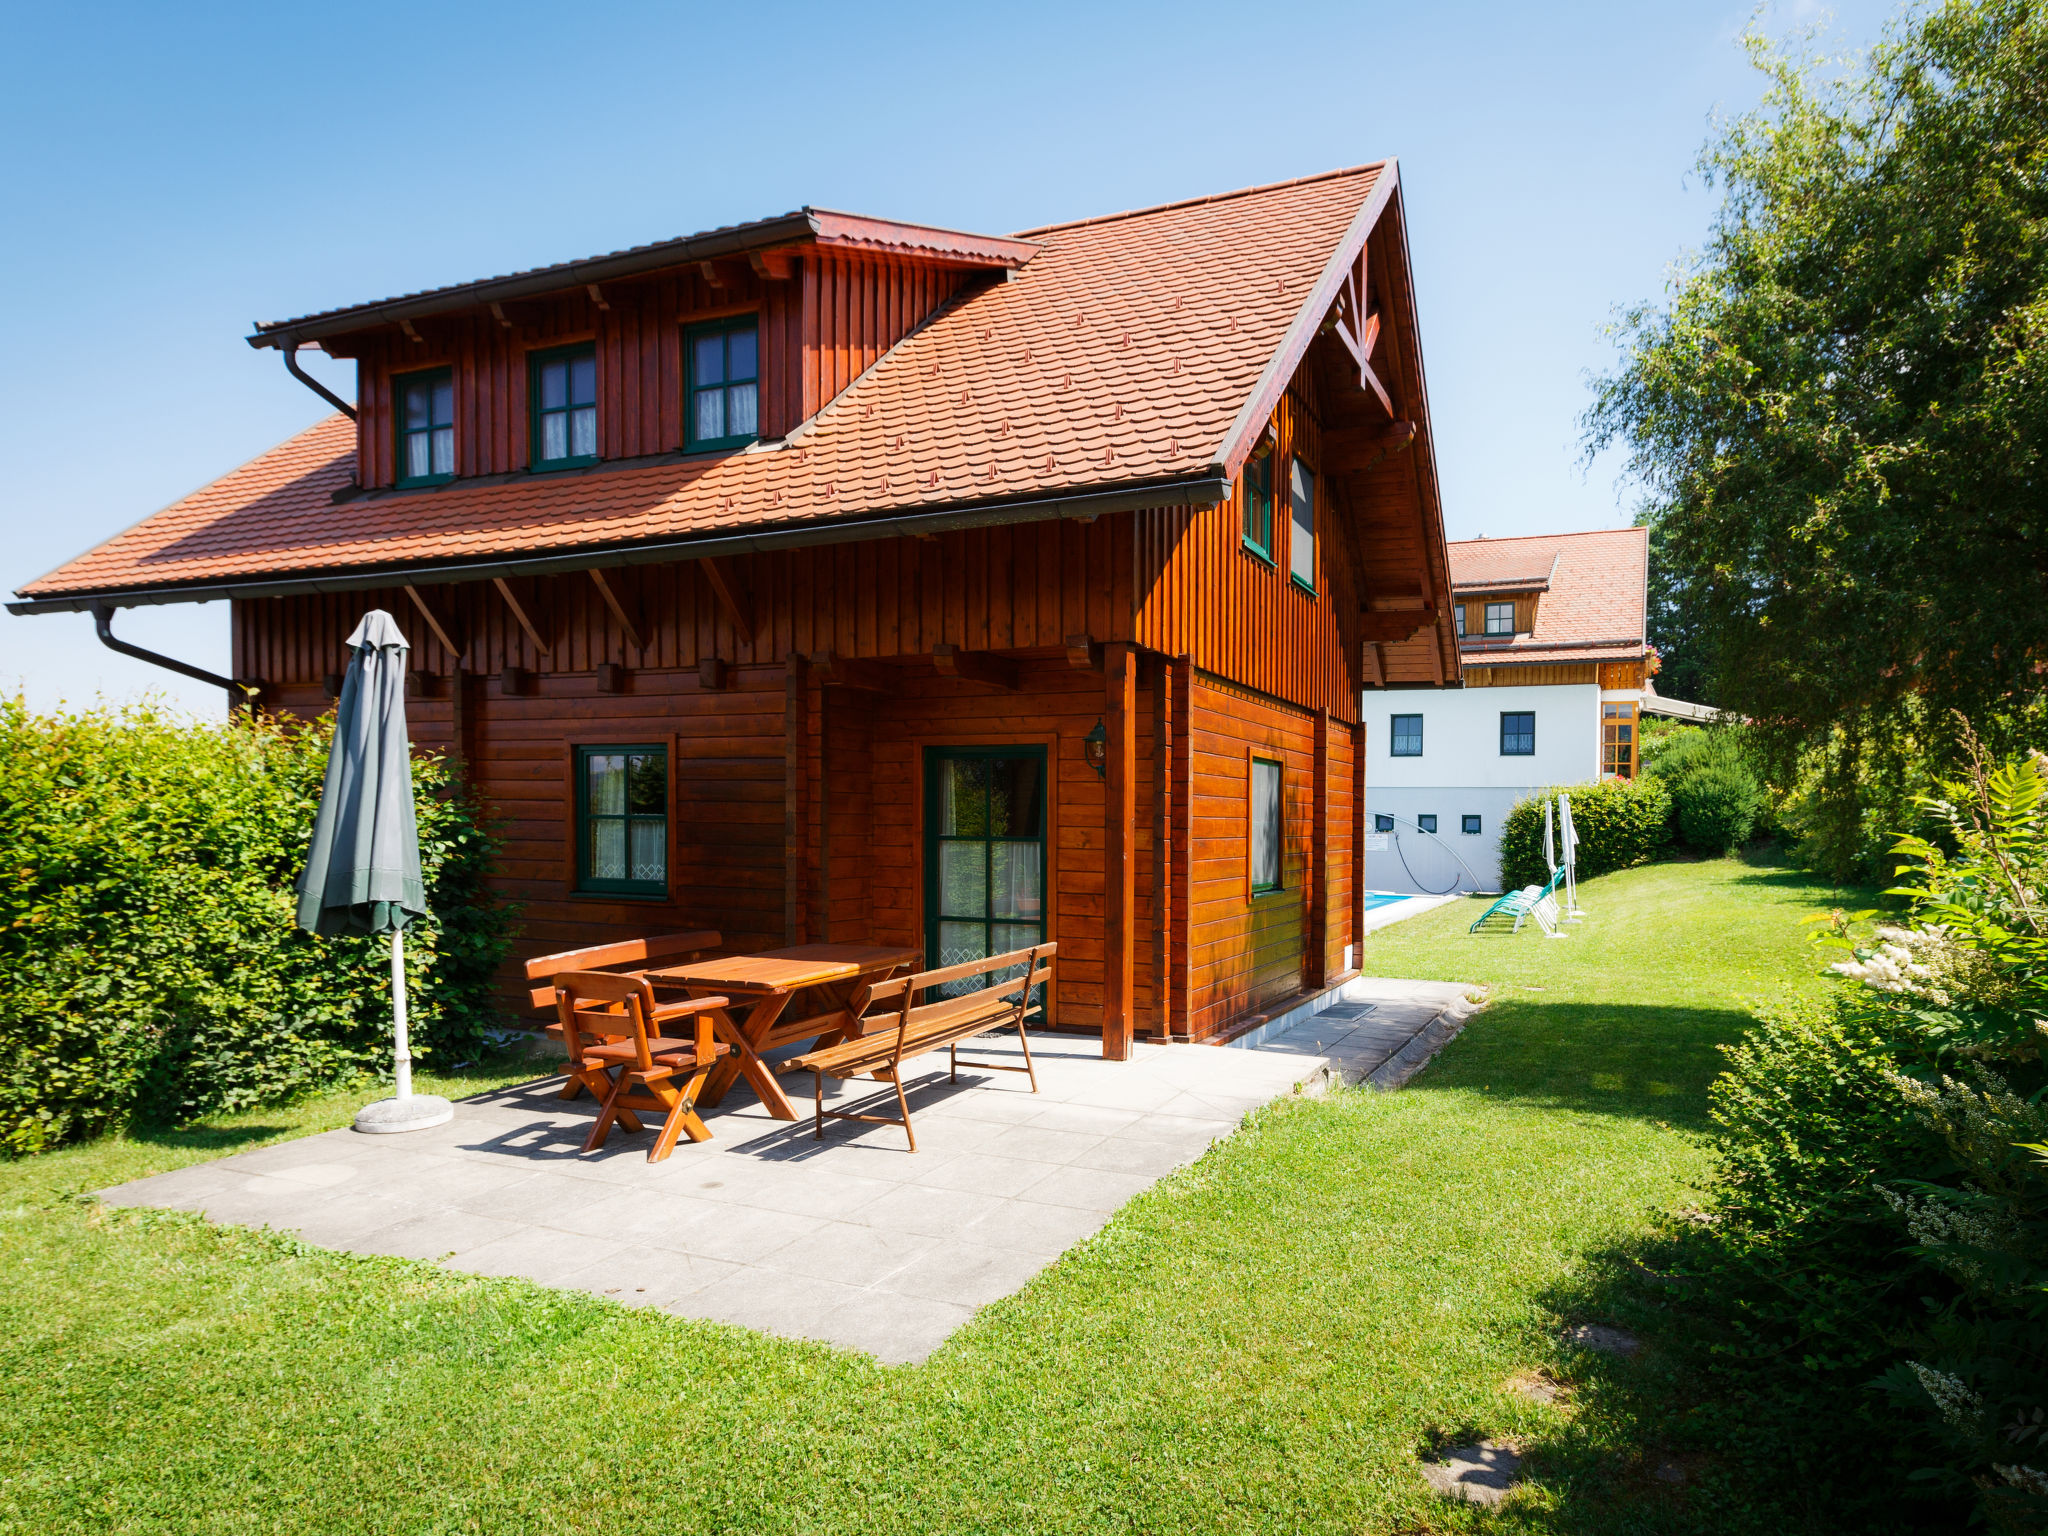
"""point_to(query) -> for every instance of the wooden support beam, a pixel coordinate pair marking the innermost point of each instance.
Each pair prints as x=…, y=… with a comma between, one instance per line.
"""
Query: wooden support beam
x=1165, y=896
x=1375, y=664
x=836, y=671
x=777, y=266
x=527, y=613
x=1119, y=873
x=975, y=667
x=613, y=593
x=443, y=632
x=1390, y=626
x=1367, y=449
x=712, y=674
x=1181, y=772
x=596, y=295
x=1084, y=653
x=796, y=816
x=1358, y=846
x=731, y=592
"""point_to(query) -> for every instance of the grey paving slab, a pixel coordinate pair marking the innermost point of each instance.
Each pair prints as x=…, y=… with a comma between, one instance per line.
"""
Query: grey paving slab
x=851, y=1240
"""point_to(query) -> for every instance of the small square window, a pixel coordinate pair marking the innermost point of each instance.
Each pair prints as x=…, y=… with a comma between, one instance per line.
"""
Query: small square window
x=1258, y=504
x=1517, y=733
x=622, y=820
x=1265, y=808
x=1407, y=736
x=725, y=387
x=564, y=407
x=1383, y=823
x=1426, y=823
x=425, y=406
x=1500, y=618
x=1471, y=826
x=1301, y=547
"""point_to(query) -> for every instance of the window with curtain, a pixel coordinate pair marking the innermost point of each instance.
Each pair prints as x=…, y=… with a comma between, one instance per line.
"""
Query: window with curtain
x=564, y=407
x=1301, y=547
x=622, y=820
x=1265, y=825
x=1407, y=736
x=1517, y=733
x=1458, y=614
x=725, y=383
x=426, y=426
x=1258, y=503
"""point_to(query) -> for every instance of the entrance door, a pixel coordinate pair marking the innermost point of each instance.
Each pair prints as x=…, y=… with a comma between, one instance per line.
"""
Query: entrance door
x=984, y=852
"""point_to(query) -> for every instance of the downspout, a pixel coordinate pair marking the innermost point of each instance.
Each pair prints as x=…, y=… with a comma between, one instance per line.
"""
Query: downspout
x=290, y=349
x=103, y=621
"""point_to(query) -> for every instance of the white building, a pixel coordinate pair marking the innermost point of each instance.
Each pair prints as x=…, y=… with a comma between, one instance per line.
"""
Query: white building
x=1555, y=669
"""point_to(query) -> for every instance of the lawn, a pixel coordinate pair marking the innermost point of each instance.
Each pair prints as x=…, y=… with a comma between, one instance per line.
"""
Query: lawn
x=1263, y=1342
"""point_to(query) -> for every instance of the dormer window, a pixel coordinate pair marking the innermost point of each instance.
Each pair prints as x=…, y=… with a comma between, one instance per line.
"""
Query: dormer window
x=564, y=384
x=1500, y=618
x=426, y=426
x=1458, y=613
x=725, y=374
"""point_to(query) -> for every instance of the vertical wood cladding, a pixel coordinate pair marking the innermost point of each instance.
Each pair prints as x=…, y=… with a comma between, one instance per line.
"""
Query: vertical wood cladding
x=818, y=331
x=1202, y=593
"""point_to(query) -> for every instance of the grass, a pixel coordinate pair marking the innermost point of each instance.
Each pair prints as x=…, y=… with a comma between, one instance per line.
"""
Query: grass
x=1263, y=1342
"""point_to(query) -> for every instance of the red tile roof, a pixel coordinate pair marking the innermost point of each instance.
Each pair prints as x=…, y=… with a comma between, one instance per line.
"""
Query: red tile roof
x=1118, y=360
x=1594, y=594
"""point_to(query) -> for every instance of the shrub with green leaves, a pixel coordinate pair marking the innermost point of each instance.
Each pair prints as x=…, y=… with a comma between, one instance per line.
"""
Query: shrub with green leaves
x=1880, y=1218
x=1621, y=823
x=1716, y=796
x=146, y=924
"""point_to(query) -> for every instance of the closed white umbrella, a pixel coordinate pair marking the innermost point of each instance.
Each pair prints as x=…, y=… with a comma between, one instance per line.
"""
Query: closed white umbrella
x=1549, y=846
x=1568, y=835
x=363, y=866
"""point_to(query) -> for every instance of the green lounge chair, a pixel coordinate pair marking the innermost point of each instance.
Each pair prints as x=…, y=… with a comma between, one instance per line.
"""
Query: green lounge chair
x=1537, y=901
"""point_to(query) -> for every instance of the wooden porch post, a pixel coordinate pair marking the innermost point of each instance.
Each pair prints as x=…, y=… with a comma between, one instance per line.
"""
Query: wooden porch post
x=1164, y=863
x=1316, y=967
x=1119, y=893
x=796, y=819
x=1358, y=846
x=1182, y=773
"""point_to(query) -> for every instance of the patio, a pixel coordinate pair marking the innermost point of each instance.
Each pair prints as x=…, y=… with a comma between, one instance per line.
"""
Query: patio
x=853, y=1240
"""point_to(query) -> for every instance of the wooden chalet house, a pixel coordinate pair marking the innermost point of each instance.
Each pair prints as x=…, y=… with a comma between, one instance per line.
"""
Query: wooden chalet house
x=829, y=578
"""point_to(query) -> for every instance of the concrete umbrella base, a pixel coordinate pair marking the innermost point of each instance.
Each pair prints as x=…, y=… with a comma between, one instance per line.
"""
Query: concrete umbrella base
x=417, y=1112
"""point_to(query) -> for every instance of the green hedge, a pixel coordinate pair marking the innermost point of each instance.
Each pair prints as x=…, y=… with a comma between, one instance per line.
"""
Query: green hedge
x=1621, y=824
x=153, y=969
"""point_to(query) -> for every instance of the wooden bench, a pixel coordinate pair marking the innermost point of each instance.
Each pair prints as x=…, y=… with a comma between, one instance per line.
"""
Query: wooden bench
x=638, y=954
x=896, y=1027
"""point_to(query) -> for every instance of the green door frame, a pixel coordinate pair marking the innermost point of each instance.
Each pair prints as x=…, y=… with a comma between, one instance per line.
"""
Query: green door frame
x=933, y=756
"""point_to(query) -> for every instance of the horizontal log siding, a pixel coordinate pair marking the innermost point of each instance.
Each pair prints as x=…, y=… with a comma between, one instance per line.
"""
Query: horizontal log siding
x=1245, y=951
x=1203, y=594
x=818, y=331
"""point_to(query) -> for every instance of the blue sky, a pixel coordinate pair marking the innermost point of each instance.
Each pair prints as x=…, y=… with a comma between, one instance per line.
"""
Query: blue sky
x=178, y=172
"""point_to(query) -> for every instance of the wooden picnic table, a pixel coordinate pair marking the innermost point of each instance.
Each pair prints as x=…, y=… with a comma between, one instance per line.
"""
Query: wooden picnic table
x=772, y=979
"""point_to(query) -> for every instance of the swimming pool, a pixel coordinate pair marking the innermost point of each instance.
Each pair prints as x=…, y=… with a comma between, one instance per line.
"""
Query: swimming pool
x=1381, y=898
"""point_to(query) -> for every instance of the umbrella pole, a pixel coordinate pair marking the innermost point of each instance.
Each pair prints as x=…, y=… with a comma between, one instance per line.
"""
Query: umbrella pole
x=403, y=1056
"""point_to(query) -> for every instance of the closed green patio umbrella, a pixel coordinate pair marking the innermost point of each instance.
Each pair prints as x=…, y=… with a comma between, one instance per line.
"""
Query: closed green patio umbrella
x=363, y=869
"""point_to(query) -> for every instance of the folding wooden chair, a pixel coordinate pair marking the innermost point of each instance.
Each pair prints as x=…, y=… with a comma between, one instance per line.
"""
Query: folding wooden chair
x=611, y=1026
x=668, y=948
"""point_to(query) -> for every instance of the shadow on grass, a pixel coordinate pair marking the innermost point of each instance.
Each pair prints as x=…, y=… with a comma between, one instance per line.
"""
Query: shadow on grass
x=1644, y=1061
x=204, y=1136
x=1693, y=1434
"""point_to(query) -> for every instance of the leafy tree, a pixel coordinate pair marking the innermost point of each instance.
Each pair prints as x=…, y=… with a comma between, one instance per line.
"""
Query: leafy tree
x=1839, y=413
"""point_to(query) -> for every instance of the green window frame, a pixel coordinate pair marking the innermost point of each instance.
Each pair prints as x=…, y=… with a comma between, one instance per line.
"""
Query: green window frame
x=1518, y=733
x=723, y=404
x=622, y=820
x=1258, y=503
x=562, y=410
x=423, y=417
x=1266, y=805
x=1301, y=536
x=1404, y=736
x=987, y=868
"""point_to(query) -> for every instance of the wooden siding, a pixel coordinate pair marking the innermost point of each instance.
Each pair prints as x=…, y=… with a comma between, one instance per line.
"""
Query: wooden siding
x=1020, y=587
x=1620, y=675
x=1205, y=595
x=1246, y=950
x=1479, y=675
x=819, y=330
